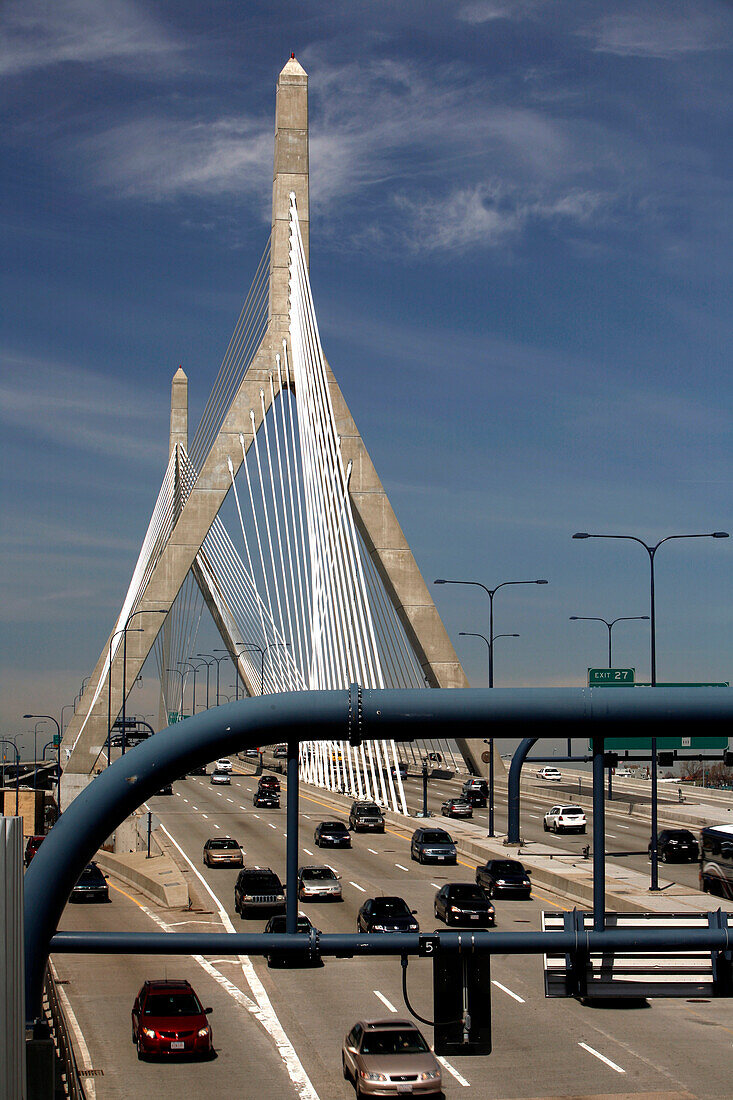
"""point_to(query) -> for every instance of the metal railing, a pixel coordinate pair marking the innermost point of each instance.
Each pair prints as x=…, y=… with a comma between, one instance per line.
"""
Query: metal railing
x=61, y=1036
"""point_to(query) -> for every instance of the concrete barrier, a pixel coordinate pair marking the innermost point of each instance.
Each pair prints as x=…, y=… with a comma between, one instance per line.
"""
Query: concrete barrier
x=158, y=877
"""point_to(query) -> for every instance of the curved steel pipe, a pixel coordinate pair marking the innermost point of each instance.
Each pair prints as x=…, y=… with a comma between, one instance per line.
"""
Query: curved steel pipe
x=325, y=715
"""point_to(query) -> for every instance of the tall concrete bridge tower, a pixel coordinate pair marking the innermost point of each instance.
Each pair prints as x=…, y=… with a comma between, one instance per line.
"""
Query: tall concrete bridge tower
x=174, y=546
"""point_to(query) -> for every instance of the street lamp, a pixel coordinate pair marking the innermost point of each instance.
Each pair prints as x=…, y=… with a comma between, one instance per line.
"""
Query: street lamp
x=14, y=747
x=181, y=674
x=490, y=741
x=35, y=749
x=194, y=669
x=262, y=652
x=126, y=627
x=651, y=551
x=58, y=731
x=109, y=693
x=491, y=592
x=596, y=619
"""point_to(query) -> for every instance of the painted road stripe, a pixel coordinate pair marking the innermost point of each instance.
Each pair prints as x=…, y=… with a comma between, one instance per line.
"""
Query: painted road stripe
x=623, y=826
x=509, y=991
x=387, y=1004
x=357, y=887
x=372, y=851
x=79, y=1036
x=308, y=851
x=231, y=800
x=216, y=826
x=205, y=817
x=535, y=816
x=436, y=885
x=256, y=815
x=271, y=825
x=401, y=867
x=602, y=1057
x=454, y=1072
x=612, y=835
x=263, y=1009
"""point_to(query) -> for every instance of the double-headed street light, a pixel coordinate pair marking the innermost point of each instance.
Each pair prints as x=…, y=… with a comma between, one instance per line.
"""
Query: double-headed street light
x=490, y=740
x=262, y=650
x=218, y=665
x=182, y=675
x=491, y=592
x=651, y=551
x=51, y=718
x=596, y=619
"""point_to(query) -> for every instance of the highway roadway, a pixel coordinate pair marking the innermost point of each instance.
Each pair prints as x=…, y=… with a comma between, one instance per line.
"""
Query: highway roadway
x=278, y=1033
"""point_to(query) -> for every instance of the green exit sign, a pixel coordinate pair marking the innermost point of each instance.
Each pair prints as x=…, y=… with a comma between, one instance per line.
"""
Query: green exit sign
x=611, y=677
x=56, y=740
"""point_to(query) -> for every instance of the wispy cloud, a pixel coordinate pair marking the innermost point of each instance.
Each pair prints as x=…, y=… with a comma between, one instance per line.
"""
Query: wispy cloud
x=117, y=34
x=78, y=408
x=485, y=11
x=667, y=31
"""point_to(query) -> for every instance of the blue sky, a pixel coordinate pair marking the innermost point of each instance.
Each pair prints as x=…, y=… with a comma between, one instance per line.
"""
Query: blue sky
x=520, y=255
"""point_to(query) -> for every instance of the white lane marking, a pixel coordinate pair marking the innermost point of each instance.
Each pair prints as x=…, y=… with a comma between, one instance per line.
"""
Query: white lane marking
x=263, y=1009
x=602, y=1057
x=535, y=816
x=306, y=816
x=436, y=885
x=387, y=1004
x=372, y=851
x=454, y=1072
x=178, y=794
x=185, y=800
x=79, y=1037
x=231, y=800
x=509, y=991
x=271, y=825
x=285, y=834
x=357, y=886
x=308, y=851
x=175, y=923
x=623, y=826
x=401, y=867
x=255, y=815
x=205, y=817
x=194, y=807
x=612, y=835
x=216, y=826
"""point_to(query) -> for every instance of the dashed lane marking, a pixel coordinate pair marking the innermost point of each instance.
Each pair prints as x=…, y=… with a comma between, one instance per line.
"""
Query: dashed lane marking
x=387, y=1004
x=508, y=991
x=401, y=867
x=453, y=1071
x=308, y=851
x=372, y=851
x=357, y=887
x=271, y=825
x=602, y=1057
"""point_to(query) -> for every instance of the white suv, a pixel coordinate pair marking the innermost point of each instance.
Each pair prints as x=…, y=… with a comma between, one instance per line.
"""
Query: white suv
x=550, y=773
x=223, y=765
x=564, y=819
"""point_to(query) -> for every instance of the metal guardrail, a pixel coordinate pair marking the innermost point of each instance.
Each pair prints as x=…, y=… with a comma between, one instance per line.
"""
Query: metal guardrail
x=61, y=1036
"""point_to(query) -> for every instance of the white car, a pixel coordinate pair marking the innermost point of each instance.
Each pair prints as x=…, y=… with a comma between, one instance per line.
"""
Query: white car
x=550, y=774
x=565, y=819
x=623, y=773
x=223, y=765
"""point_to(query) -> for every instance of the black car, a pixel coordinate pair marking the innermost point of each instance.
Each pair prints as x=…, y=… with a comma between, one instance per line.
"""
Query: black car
x=331, y=834
x=268, y=800
x=387, y=914
x=269, y=783
x=464, y=903
x=276, y=924
x=476, y=791
x=433, y=846
x=366, y=817
x=505, y=876
x=91, y=886
x=456, y=807
x=258, y=889
x=676, y=846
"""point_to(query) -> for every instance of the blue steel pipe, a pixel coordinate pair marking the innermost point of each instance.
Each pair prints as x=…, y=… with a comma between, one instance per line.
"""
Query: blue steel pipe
x=714, y=938
x=327, y=715
x=599, y=838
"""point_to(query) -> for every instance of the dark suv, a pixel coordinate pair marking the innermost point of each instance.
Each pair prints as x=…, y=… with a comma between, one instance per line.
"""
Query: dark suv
x=258, y=889
x=506, y=876
x=476, y=791
x=676, y=845
x=367, y=817
x=433, y=846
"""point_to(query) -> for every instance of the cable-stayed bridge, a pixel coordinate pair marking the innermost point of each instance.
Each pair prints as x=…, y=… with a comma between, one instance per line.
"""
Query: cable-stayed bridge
x=308, y=577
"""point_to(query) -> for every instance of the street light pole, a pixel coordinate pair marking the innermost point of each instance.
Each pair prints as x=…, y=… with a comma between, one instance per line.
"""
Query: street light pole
x=35, y=750
x=651, y=551
x=58, y=731
x=262, y=650
x=178, y=671
x=491, y=592
x=490, y=741
x=194, y=669
x=596, y=619
x=126, y=627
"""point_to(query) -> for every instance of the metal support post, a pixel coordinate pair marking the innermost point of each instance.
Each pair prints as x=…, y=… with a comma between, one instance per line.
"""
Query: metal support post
x=491, y=787
x=610, y=784
x=150, y=829
x=654, y=884
x=599, y=838
x=12, y=1010
x=515, y=777
x=291, y=870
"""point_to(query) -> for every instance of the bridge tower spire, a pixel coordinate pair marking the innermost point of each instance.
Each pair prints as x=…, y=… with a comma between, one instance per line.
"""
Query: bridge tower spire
x=195, y=508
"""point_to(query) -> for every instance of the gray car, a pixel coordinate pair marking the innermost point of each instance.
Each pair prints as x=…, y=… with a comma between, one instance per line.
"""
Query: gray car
x=390, y=1058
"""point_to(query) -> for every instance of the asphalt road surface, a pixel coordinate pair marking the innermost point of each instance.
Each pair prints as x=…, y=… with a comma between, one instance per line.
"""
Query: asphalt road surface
x=278, y=1033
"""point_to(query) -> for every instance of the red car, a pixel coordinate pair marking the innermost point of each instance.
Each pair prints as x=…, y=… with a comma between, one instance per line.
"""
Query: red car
x=167, y=1018
x=32, y=845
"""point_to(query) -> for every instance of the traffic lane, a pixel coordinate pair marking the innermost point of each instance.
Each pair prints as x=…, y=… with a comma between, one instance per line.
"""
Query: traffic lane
x=340, y=995
x=102, y=988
